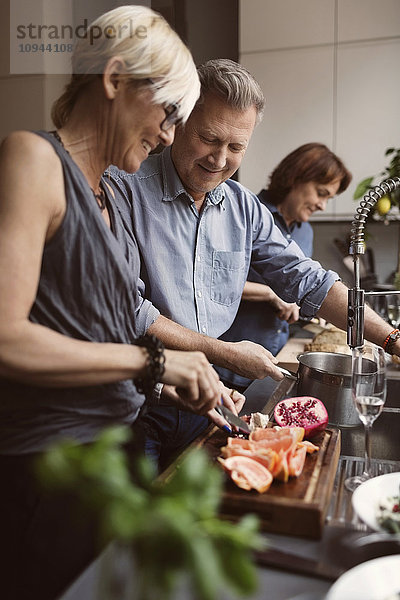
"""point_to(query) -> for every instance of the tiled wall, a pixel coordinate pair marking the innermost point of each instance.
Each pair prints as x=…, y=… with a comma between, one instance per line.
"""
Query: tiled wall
x=329, y=70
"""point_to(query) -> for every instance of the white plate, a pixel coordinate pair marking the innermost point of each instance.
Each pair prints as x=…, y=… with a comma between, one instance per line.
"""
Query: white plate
x=366, y=498
x=377, y=579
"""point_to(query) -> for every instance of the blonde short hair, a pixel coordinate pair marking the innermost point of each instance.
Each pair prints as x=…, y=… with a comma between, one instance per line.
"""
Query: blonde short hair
x=149, y=47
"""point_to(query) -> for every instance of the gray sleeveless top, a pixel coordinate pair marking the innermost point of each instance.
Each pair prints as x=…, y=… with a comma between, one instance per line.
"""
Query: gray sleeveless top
x=88, y=291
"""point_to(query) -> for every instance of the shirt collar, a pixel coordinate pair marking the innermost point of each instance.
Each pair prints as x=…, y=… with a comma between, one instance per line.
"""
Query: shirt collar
x=173, y=187
x=217, y=195
x=263, y=197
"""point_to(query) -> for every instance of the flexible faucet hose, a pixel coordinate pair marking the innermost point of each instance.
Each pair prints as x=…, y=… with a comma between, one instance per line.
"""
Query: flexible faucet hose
x=363, y=210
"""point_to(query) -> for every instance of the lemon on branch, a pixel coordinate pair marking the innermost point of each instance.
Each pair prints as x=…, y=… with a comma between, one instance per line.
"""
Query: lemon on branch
x=383, y=205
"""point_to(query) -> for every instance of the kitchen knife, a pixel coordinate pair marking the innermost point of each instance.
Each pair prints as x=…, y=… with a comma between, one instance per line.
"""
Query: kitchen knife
x=287, y=373
x=282, y=389
x=233, y=419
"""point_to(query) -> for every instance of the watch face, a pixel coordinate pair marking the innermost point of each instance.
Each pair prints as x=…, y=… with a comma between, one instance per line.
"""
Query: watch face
x=393, y=337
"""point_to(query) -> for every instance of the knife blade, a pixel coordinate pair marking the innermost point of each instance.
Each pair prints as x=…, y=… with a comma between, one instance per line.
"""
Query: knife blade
x=233, y=419
x=279, y=393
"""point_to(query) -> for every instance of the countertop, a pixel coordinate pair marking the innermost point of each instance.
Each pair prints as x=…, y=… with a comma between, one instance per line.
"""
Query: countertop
x=341, y=524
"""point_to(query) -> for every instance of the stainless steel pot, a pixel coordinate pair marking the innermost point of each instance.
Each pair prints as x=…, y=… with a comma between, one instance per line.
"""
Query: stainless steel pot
x=327, y=376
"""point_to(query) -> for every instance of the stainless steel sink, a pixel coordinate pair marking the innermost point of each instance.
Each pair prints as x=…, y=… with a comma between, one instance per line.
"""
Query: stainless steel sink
x=393, y=393
x=385, y=437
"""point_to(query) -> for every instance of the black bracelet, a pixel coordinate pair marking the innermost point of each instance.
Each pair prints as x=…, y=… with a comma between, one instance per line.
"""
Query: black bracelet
x=155, y=365
x=391, y=340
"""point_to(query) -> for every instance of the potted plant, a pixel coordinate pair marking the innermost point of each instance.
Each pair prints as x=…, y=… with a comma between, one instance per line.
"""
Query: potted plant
x=167, y=533
x=388, y=204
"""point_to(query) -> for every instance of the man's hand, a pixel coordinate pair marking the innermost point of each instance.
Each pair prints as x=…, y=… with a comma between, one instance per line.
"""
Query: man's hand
x=245, y=358
x=251, y=360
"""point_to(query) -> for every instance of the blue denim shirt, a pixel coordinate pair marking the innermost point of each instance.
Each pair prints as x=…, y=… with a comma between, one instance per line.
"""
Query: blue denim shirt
x=194, y=266
x=256, y=321
x=302, y=233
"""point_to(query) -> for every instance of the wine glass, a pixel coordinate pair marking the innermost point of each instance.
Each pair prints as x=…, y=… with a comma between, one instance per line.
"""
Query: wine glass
x=379, y=305
x=368, y=383
x=393, y=309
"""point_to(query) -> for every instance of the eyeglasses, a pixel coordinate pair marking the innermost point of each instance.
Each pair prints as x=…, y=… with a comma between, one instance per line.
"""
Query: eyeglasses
x=172, y=117
x=171, y=112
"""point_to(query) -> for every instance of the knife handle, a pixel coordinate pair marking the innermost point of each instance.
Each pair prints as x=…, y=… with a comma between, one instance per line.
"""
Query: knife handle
x=287, y=373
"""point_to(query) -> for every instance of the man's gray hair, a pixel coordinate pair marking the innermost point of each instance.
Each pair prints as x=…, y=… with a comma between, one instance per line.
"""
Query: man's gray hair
x=233, y=83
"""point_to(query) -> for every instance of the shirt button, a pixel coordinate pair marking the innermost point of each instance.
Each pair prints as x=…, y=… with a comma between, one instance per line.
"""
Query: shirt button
x=278, y=330
x=204, y=329
x=199, y=258
x=199, y=294
x=288, y=236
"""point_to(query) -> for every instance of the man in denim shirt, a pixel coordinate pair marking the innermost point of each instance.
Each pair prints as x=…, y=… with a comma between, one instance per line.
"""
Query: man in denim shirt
x=199, y=231
x=301, y=184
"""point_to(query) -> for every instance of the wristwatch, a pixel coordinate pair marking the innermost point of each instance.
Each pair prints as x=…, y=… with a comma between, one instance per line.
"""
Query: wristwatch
x=156, y=394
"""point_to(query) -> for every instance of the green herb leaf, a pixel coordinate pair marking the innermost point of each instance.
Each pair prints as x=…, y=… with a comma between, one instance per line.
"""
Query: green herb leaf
x=363, y=187
x=172, y=527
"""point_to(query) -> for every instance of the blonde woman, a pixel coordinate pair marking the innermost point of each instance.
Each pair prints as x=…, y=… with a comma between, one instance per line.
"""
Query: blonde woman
x=70, y=314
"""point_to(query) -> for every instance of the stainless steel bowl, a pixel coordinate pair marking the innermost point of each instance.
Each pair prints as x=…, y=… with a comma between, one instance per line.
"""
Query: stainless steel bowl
x=327, y=376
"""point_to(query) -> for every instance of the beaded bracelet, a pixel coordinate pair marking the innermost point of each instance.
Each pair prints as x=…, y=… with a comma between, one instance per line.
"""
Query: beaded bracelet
x=390, y=340
x=155, y=364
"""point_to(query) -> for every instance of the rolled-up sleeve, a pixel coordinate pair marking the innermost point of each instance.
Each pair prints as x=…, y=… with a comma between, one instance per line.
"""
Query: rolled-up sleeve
x=146, y=315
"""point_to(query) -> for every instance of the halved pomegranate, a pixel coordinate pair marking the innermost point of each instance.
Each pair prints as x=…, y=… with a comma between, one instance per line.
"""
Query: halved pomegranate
x=302, y=411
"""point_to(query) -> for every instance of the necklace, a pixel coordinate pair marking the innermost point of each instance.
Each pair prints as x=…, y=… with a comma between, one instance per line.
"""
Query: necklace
x=100, y=197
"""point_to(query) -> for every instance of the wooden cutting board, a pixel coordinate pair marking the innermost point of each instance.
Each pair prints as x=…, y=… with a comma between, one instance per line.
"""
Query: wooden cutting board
x=297, y=507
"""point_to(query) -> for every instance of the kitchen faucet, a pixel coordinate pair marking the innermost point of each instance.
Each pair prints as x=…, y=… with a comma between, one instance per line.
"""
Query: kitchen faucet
x=356, y=295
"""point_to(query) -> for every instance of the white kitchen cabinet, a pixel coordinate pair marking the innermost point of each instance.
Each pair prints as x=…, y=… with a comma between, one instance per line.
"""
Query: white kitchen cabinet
x=368, y=19
x=329, y=71
x=298, y=89
x=368, y=100
x=274, y=24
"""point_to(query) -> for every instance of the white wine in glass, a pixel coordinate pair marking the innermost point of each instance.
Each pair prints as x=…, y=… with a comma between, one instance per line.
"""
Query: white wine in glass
x=369, y=407
x=368, y=384
x=393, y=309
